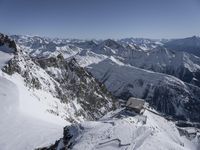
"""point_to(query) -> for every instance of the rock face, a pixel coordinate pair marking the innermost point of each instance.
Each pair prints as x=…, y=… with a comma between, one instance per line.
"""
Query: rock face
x=5, y=40
x=88, y=92
x=65, y=80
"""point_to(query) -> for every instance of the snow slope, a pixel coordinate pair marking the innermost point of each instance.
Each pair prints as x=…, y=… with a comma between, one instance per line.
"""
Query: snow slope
x=183, y=65
x=165, y=93
x=25, y=124
x=19, y=130
x=123, y=130
x=86, y=58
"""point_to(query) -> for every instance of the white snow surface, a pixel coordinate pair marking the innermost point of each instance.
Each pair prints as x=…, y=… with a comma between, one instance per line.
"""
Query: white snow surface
x=117, y=75
x=132, y=133
x=24, y=125
x=86, y=58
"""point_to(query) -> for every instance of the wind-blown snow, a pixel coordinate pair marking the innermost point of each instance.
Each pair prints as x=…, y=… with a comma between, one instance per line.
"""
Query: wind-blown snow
x=24, y=123
x=21, y=131
x=126, y=131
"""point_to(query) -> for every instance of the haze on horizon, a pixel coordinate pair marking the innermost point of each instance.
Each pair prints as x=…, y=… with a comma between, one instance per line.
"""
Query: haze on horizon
x=101, y=19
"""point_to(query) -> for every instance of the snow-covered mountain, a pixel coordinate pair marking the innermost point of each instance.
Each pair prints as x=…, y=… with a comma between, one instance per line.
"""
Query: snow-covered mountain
x=44, y=90
x=157, y=58
x=182, y=65
x=144, y=44
x=124, y=130
x=190, y=45
x=61, y=81
x=37, y=46
x=118, y=63
x=165, y=93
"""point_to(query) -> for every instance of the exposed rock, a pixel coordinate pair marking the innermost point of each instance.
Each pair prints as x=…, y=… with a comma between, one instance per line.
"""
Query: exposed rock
x=91, y=94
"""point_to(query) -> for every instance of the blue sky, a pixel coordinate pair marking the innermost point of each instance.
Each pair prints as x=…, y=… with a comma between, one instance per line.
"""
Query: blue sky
x=87, y=19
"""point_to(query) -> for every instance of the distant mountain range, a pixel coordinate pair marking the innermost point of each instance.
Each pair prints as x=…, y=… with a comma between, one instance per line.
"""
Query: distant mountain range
x=190, y=45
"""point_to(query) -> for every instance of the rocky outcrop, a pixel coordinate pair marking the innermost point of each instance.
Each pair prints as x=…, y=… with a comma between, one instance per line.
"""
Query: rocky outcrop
x=5, y=40
x=82, y=86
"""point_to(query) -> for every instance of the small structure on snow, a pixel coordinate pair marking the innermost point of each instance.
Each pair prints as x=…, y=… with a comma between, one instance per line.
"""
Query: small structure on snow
x=135, y=104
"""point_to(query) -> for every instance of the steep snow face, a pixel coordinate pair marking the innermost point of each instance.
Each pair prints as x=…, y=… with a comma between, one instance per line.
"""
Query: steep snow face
x=179, y=64
x=190, y=45
x=20, y=130
x=126, y=130
x=25, y=123
x=166, y=93
x=87, y=57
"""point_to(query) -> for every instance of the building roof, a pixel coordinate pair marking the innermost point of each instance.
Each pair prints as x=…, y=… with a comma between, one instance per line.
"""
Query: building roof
x=135, y=103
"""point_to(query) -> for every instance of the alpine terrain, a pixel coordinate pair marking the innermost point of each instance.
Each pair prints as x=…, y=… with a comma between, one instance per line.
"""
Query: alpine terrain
x=62, y=94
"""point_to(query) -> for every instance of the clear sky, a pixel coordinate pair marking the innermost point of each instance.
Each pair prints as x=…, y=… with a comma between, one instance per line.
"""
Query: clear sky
x=101, y=19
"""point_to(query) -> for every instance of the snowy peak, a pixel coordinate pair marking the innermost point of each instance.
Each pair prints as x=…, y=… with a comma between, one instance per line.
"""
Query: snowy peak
x=190, y=45
x=46, y=47
x=142, y=43
x=111, y=43
x=86, y=44
x=110, y=47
